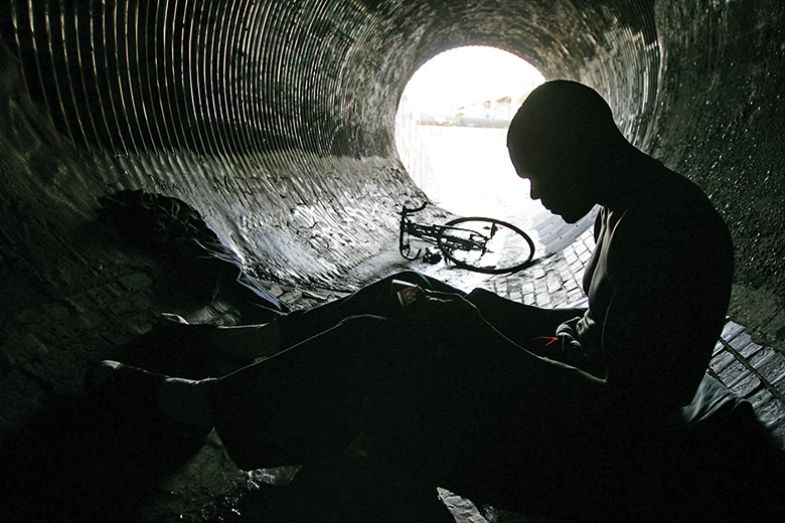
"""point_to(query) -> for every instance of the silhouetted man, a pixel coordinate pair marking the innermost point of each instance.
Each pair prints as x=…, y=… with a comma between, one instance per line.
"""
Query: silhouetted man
x=457, y=389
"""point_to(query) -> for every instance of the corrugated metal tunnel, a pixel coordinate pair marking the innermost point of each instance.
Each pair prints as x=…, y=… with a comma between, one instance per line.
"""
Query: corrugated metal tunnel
x=275, y=120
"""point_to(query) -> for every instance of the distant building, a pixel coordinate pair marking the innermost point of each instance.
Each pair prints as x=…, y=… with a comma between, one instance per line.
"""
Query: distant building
x=502, y=109
x=485, y=113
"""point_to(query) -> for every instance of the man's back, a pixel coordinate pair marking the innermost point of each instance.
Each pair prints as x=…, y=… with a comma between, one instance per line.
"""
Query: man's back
x=658, y=286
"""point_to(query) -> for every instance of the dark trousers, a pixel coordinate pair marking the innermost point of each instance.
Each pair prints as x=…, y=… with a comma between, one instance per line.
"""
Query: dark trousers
x=465, y=406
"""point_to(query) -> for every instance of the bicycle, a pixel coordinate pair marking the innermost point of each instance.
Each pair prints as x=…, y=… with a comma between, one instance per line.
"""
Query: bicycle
x=474, y=243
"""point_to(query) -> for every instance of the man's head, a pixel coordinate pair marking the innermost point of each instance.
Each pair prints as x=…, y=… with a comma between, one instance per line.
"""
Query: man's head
x=560, y=139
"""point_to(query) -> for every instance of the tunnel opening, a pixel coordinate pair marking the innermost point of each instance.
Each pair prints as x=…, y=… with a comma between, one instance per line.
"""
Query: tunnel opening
x=451, y=129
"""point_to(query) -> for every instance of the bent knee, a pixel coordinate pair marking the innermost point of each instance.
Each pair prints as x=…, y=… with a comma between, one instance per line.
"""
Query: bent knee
x=364, y=323
x=409, y=276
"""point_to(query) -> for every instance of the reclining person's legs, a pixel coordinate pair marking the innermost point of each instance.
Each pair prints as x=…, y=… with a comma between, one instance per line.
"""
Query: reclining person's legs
x=252, y=341
x=406, y=385
x=305, y=403
x=376, y=299
x=418, y=383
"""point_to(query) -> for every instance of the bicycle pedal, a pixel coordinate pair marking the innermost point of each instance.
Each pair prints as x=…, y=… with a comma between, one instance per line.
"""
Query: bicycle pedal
x=432, y=257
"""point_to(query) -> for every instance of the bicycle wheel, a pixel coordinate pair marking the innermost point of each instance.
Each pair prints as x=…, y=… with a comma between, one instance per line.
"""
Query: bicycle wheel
x=485, y=245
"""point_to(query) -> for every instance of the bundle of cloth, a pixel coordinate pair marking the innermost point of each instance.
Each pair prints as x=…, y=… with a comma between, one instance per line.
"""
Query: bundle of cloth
x=196, y=265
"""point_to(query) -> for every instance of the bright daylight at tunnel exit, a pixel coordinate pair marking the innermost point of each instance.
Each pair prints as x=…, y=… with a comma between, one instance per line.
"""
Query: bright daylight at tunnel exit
x=451, y=131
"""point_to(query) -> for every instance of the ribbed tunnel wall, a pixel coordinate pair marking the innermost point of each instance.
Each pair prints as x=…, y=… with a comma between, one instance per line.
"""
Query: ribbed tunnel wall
x=275, y=118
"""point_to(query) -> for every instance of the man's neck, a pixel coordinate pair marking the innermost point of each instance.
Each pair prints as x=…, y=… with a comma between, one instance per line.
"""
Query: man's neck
x=628, y=175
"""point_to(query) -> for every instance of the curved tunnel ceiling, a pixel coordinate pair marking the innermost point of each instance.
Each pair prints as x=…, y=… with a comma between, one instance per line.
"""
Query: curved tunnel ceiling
x=275, y=118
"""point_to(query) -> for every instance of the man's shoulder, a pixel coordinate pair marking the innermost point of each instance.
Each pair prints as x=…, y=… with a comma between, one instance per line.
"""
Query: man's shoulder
x=675, y=202
x=673, y=219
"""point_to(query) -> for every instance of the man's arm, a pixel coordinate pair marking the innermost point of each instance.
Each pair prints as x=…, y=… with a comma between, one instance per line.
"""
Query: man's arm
x=647, y=352
x=517, y=321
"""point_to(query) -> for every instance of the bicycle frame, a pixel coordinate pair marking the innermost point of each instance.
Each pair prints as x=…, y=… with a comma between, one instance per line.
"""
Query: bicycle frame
x=436, y=233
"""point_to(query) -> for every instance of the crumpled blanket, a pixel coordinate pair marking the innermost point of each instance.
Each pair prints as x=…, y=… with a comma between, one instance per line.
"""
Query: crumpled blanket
x=176, y=236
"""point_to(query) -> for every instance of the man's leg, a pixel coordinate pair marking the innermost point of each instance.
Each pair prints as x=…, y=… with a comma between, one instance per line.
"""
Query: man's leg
x=375, y=299
x=445, y=399
x=252, y=341
x=405, y=380
x=301, y=405
x=305, y=403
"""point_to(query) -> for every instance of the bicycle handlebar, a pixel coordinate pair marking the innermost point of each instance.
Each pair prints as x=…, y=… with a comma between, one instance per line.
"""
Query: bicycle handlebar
x=407, y=210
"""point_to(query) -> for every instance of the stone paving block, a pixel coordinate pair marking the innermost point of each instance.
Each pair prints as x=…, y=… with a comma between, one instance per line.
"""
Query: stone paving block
x=739, y=340
x=721, y=361
x=100, y=296
x=718, y=347
x=88, y=320
x=571, y=284
x=772, y=366
x=114, y=289
x=769, y=409
x=113, y=338
x=274, y=289
x=135, y=281
x=730, y=371
x=558, y=299
x=515, y=296
x=552, y=284
x=140, y=324
x=53, y=335
x=740, y=379
x=291, y=296
x=731, y=330
x=80, y=301
x=779, y=384
x=749, y=350
x=760, y=356
x=575, y=295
